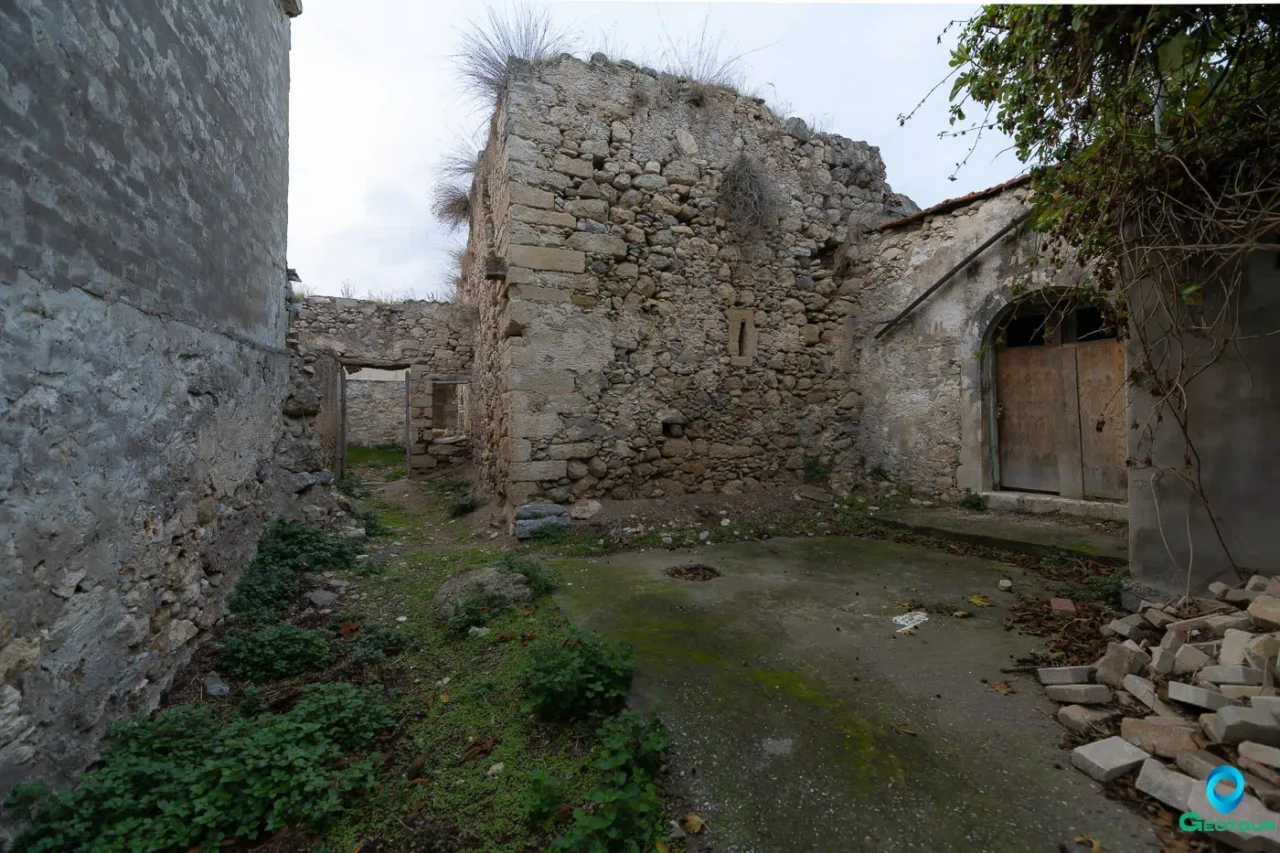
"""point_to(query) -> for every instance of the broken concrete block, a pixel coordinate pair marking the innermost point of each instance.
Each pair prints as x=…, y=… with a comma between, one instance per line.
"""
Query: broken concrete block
x=1157, y=618
x=1131, y=627
x=1270, y=704
x=1187, y=660
x=1257, y=583
x=1220, y=624
x=1119, y=661
x=1065, y=674
x=1237, y=723
x=1234, y=642
x=1142, y=689
x=1161, y=661
x=1261, y=753
x=1243, y=691
x=1108, y=759
x=214, y=685
x=1218, y=589
x=1206, y=726
x=1197, y=696
x=1260, y=653
x=1168, y=786
x=1265, y=611
x=1241, y=597
x=1162, y=736
x=1198, y=762
x=322, y=597
x=1079, y=694
x=1062, y=606
x=1084, y=720
x=1230, y=675
x=1173, y=640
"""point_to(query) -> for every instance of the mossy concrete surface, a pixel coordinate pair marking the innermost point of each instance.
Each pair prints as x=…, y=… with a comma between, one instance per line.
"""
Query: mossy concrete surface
x=805, y=721
x=1022, y=534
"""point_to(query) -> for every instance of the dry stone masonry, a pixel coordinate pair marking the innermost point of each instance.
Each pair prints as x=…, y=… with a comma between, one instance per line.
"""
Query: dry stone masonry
x=643, y=330
x=375, y=412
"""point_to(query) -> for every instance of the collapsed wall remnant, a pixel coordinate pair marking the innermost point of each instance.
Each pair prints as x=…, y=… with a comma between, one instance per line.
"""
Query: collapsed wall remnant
x=143, y=214
x=432, y=340
x=652, y=265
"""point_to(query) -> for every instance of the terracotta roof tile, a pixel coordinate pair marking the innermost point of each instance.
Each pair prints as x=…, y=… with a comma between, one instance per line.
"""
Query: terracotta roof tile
x=952, y=204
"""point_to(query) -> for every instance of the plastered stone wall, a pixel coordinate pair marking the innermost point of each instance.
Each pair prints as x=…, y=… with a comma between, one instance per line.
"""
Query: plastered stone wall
x=375, y=412
x=633, y=340
x=920, y=388
x=143, y=186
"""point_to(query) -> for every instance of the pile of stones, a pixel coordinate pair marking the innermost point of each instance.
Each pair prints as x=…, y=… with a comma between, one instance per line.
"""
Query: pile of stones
x=1188, y=685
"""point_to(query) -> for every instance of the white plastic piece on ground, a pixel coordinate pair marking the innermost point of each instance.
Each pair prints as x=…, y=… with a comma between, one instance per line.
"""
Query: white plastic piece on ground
x=910, y=620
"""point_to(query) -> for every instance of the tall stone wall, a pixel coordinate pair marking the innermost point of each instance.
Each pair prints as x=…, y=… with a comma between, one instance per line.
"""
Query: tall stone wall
x=433, y=335
x=635, y=339
x=143, y=186
x=375, y=412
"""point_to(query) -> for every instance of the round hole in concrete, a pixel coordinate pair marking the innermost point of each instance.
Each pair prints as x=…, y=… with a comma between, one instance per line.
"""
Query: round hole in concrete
x=692, y=572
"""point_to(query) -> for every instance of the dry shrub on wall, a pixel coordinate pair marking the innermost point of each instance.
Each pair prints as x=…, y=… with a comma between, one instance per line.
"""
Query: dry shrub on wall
x=749, y=197
x=521, y=31
x=451, y=204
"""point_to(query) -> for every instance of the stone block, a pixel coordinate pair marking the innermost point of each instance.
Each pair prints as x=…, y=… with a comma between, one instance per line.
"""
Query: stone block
x=538, y=258
x=1261, y=753
x=649, y=182
x=515, y=449
x=1265, y=611
x=1257, y=583
x=1197, y=696
x=1157, y=618
x=1132, y=627
x=533, y=425
x=1230, y=675
x=599, y=244
x=1084, y=720
x=1188, y=659
x=1270, y=704
x=1198, y=763
x=1234, y=643
x=1108, y=759
x=1161, y=661
x=1065, y=674
x=1142, y=690
x=1162, y=736
x=534, y=293
x=545, y=469
x=574, y=450
x=1243, y=691
x=527, y=196
x=1237, y=723
x=539, y=216
x=527, y=528
x=1079, y=694
x=573, y=166
x=424, y=461
x=1220, y=623
x=545, y=510
x=1119, y=661
x=322, y=597
x=1168, y=786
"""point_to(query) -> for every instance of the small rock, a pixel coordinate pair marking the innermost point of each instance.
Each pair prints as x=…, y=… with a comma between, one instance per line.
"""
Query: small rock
x=402, y=618
x=477, y=631
x=214, y=685
x=1108, y=759
x=584, y=509
x=1005, y=584
x=1079, y=694
x=1218, y=589
x=526, y=528
x=544, y=510
x=1062, y=605
x=703, y=536
x=724, y=522
x=322, y=597
x=1257, y=583
x=494, y=771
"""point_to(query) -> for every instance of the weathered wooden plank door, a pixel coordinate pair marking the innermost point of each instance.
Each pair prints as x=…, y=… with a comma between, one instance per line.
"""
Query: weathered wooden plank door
x=1100, y=379
x=1029, y=416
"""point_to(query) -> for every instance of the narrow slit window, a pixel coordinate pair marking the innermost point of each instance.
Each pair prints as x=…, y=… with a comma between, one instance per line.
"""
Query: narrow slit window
x=740, y=344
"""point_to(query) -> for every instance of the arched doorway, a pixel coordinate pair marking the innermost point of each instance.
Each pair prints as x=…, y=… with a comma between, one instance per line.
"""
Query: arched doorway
x=1058, y=402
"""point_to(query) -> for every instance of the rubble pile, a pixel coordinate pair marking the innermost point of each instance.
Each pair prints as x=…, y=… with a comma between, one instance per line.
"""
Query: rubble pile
x=1184, y=687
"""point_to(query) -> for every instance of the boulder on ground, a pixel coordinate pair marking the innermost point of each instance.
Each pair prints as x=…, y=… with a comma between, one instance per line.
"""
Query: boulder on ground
x=504, y=588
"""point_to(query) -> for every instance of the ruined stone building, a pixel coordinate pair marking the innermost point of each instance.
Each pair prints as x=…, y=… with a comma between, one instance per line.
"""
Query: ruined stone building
x=668, y=290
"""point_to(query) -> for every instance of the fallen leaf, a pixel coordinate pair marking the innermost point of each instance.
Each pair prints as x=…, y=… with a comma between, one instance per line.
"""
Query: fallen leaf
x=415, y=768
x=477, y=748
x=661, y=846
x=691, y=823
x=980, y=600
x=526, y=611
x=347, y=629
x=1095, y=846
x=901, y=603
x=564, y=814
x=1002, y=687
x=444, y=697
x=528, y=637
x=506, y=636
x=962, y=614
x=901, y=728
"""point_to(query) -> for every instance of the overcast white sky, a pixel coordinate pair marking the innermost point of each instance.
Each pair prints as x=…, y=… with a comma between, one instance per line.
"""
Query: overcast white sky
x=375, y=105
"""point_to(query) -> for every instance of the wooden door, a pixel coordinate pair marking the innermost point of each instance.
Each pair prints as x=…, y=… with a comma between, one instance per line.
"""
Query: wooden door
x=1029, y=420
x=1100, y=381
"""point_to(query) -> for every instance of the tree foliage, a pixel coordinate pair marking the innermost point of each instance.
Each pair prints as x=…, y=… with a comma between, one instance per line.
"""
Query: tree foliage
x=1151, y=130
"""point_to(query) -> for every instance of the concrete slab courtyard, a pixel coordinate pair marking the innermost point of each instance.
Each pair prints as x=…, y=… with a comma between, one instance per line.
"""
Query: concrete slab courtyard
x=806, y=719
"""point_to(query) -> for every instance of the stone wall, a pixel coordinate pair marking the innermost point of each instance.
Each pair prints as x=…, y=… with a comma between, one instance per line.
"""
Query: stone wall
x=375, y=412
x=433, y=335
x=919, y=389
x=143, y=186
x=636, y=338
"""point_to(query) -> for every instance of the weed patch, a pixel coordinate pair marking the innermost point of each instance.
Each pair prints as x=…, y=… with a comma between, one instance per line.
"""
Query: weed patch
x=580, y=675
x=540, y=579
x=182, y=781
x=278, y=651
x=286, y=549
